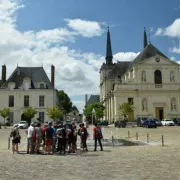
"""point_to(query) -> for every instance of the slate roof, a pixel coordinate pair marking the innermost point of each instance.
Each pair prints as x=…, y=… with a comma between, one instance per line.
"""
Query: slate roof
x=36, y=74
x=119, y=69
x=93, y=98
x=148, y=52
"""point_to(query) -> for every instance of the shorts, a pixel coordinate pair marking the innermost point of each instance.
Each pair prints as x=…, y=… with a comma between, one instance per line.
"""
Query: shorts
x=16, y=141
x=49, y=142
x=38, y=140
x=30, y=142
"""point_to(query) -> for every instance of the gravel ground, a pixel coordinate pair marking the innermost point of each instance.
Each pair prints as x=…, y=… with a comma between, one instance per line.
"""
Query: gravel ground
x=148, y=162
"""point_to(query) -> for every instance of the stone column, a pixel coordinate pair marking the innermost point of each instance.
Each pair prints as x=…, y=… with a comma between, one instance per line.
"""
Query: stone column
x=112, y=106
x=107, y=109
x=110, y=114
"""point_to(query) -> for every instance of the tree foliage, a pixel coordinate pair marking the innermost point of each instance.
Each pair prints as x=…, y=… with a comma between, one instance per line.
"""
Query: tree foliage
x=5, y=113
x=29, y=113
x=98, y=108
x=126, y=108
x=54, y=113
x=65, y=103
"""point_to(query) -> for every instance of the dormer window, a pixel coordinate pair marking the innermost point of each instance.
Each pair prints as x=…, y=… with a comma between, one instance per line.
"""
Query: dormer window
x=42, y=85
x=11, y=86
x=26, y=83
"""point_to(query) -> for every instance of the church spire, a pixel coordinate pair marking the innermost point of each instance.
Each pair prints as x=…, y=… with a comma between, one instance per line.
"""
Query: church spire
x=109, y=56
x=145, y=38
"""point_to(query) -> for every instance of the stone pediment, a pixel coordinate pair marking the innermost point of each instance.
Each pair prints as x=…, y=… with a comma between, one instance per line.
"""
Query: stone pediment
x=159, y=60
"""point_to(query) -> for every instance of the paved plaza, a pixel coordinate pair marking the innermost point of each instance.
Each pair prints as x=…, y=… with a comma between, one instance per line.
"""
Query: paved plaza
x=147, y=162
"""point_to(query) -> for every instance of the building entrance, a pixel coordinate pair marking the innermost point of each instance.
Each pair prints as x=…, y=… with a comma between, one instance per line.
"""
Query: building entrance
x=160, y=113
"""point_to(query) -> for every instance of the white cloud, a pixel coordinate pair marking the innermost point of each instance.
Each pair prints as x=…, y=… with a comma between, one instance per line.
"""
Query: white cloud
x=76, y=72
x=159, y=32
x=125, y=56
x=85, y=28
x=173, y=58
x=172, y=30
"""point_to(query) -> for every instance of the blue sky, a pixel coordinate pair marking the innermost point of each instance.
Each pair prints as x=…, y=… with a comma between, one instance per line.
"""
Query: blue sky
x=71, y=34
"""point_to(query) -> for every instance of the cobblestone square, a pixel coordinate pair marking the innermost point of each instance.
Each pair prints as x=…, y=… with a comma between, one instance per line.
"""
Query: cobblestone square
x=151, y=161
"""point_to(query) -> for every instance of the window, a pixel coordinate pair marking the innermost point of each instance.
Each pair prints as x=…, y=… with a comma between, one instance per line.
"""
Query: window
x=11, y=117
x=41, y=86
x=172, y=76
x=26, y=101
x=11, y=101
x=143, y=76
x=41, y=101
x=41, y=116
x=157, y=77
x=130, y=101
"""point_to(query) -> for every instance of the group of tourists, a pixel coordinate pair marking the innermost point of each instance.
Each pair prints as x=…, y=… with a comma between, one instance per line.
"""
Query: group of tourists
x=55, y=138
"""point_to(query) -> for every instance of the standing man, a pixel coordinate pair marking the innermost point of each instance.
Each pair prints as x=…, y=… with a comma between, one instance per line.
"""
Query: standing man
x=97, y=136
x=49, y=138
x=30, y=135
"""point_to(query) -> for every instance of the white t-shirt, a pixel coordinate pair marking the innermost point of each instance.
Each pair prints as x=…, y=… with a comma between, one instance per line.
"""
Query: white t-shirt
x=30, y=132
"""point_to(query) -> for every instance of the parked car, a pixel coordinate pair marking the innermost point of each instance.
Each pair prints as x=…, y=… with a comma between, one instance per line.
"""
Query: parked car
x=150, y=123
x=167, y=122
x=141, y=120
x=158, y=122
x=104, y=123
x=176, y=121
x=22, y=125
x=120, y=124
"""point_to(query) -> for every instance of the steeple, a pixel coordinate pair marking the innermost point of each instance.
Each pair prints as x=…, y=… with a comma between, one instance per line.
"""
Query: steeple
x=109, y=56
x=145, y=38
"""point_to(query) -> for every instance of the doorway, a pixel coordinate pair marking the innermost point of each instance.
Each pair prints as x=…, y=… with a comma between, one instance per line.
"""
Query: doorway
x=160, y=113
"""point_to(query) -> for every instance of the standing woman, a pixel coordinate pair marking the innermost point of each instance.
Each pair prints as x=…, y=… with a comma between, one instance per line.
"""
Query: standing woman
x=16, y=138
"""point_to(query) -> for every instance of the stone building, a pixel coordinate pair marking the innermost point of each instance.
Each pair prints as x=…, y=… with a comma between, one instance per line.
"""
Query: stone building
x=27, y=87
x=151, y=82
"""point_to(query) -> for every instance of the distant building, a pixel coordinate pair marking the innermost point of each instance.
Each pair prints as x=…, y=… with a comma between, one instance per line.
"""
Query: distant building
x=92, y=98
x=74, y=115
x=27, y=87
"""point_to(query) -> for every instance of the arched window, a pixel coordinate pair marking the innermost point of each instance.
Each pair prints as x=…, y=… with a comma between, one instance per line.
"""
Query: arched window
x=41, y=86
x=143, y=76
x=173, y=104
x=157, y=77
x=172, y=76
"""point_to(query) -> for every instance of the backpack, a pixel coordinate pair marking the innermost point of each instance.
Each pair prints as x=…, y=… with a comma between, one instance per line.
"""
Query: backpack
x=98, y=132
x=13, y=133
x=61, y=133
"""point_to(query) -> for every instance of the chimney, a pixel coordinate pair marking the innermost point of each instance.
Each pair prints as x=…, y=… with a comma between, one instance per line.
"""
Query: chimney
x=3, y=73
x=52, y=75
x=86, y=99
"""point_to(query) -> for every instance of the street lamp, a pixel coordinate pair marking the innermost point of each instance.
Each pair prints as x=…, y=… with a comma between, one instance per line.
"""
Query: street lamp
x=93, y=112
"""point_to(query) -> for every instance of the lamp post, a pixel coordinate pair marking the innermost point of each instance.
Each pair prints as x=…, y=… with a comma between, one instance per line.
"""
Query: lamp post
x=93, y=112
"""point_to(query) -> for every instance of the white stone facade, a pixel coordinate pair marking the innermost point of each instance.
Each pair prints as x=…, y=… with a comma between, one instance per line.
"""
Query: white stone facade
x=151, y=96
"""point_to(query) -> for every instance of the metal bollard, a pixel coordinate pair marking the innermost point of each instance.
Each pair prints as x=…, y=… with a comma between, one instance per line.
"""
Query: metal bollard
x=163, y=140
x=128, y=134
x=147, y=137
x=137, y=136
x=113, y=140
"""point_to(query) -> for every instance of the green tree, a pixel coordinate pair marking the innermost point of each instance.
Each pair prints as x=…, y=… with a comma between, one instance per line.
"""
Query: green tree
x=98, y=111
x=65, y=103
x=5, y=113
x=54, y=113
x=126, y=108
x=29, y=113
